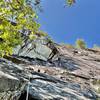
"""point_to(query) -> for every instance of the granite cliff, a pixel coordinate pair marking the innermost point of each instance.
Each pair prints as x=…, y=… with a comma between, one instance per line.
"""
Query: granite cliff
x=74, y=74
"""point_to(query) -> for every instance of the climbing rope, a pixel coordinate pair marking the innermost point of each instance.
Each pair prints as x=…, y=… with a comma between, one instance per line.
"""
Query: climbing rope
x=27, y=95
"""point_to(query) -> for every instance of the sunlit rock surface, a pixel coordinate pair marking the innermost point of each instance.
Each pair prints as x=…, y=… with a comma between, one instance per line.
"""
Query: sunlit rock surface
x=74, y=76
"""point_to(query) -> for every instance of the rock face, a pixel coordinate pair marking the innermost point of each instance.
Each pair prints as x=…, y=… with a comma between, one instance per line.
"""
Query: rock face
x=69, y=76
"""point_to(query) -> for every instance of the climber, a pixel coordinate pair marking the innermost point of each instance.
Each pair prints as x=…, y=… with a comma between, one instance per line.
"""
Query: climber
x=54, y=49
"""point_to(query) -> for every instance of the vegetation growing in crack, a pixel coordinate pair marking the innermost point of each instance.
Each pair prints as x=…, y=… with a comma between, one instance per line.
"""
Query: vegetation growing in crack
x=80, y=43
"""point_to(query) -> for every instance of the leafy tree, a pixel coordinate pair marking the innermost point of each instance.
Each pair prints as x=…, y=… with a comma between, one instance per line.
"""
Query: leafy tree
x=18, y=24
x=80, y=44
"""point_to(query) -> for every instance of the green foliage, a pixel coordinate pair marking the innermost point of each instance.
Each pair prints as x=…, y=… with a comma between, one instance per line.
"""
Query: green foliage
x=97, y=84
x=80, y=44
x=16, y=15
x=70, y=2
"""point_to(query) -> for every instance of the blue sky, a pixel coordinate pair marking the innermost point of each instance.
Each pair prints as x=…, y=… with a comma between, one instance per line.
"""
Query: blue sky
x=65, y=25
